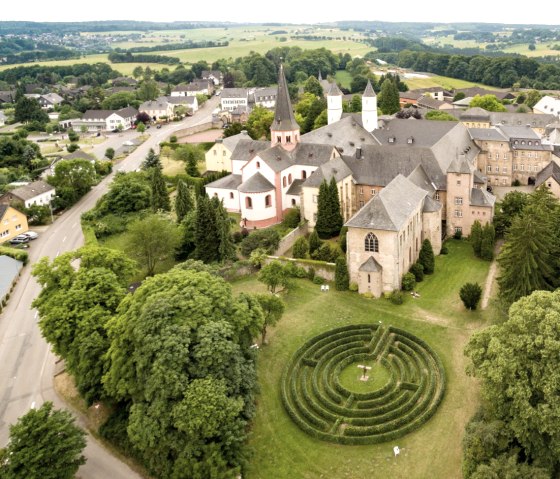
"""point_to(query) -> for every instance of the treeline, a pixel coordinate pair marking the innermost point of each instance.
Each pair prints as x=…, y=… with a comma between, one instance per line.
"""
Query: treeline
x=500, y=71
x=86, y=74
x=174, y=46
x=58, y=53
x=142, y=58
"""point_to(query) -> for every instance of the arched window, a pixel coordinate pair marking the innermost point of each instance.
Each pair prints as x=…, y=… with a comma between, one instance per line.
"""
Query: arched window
x=372, y=243
x=248, y=202
x=293, y=202
x=231, y=196
x=268, y=201
x=290, y=179
x=284, y=181
x=303, y=175
x=258, y=164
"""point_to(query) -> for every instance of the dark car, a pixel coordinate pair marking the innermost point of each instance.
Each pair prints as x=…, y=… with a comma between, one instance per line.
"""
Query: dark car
x=20, y=239
x=158, y=127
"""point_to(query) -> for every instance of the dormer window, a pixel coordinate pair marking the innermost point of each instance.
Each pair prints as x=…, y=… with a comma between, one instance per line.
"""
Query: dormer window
x=391, y=139
x=410, y=140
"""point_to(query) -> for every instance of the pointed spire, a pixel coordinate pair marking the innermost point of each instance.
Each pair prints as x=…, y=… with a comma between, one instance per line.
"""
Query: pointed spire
x=369, y=90
x=284, y=119
x=334, y=90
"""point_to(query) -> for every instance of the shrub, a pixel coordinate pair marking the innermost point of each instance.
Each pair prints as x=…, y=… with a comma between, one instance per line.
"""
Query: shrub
x=458, y=235
x=72, y=147
x=470, y=294
x=327, y=252
x=110, y=153
x=426, y=257
x=266, y=239
x=237, y=236
x=103, y=168
x=73, y=136
x=314, y=242
x=408, y=282
x=173, y=139
x=418, y=271
x=319, y=280
x=301, y=248
x=353, y=287
x=342, y=238
x=17, y=254
x=341, y=277
x=397, y=297
x=516, y=183
x=291, y=218
x=257, y=258
x=444, y=250
x=311, y=273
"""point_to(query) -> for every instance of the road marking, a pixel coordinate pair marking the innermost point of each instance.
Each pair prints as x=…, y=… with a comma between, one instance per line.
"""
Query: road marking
x=36, y=314
x=74, y=225
x=33, y=405
x=57, y=253
x=64, y=239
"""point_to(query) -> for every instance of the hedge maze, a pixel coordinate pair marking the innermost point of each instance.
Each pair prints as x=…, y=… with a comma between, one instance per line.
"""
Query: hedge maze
x=320, y=405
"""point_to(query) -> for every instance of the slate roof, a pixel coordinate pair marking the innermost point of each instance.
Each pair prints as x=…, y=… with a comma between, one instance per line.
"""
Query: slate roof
x=370, y=266
x=30, y=191
x=550, y=170
x=229, y=182
x=263, y=92
x=256, y=184
x=284, y=119
x=312, y=154
x=533, y=120
x=421, y=179
x=473, y=91
x=345, y=134
x=391, y=208
x=235, y=93
x=487, y=134
x=7, y=96
x=431, y=205
x=127, y=112
x=53, y=98
x=3, y=209
x=431, y=103
x=410, y=95
x=548, y=104
x=158, y=104
x=336, y=168
x=459, y=165
x=295, y=188
x=422, y=132
x=334, y=90
x=476, y=114
x=369, y=91
x=232, y=141
x=481, y=197
x=246, y=149
x=97, y=114
x=180, y=100
x=478, y=177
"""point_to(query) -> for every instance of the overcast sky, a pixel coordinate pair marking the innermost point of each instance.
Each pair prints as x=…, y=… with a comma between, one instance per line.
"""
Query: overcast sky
x=290, y=11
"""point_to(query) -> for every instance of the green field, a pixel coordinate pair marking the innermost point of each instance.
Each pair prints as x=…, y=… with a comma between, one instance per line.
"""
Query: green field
x=446, y=82
x=242, y=40
x=281, y=450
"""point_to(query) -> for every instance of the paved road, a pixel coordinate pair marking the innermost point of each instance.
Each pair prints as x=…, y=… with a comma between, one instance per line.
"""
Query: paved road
x=27, y=365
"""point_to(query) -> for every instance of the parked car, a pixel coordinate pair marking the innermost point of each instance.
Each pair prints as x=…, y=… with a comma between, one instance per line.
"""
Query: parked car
x=19, y=239
x=158, y=127
x=31, y=235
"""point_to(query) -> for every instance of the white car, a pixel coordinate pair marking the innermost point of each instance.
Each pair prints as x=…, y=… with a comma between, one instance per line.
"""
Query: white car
x=31, y=235
x=128, y=143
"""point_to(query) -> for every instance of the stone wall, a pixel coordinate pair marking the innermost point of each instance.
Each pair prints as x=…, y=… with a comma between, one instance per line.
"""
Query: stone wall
x=322, y=269
x=288, y=241
x=193, y=129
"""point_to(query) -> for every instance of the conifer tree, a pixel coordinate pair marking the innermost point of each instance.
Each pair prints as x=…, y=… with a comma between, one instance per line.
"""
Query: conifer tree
x=206, y=235
x=160, y=197
x=226, y=249
x=487, y=242
x=184, y=201
x=151, y=161
x=426, y=257
x=476, y=237
x=389, y=101
x=335, y=208
x=341, y=277
x=329, y=219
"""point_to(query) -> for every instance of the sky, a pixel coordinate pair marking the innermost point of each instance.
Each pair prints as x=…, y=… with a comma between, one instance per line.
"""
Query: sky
x=286, y=11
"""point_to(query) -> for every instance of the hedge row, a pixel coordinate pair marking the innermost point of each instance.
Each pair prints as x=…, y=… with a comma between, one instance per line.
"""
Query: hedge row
x=14, y=253
x=317, y=402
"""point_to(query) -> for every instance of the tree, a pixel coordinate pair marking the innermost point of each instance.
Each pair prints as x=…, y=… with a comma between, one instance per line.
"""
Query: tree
x=184, y=203
x=45, y=444
x=476, y=237
x=273, y=275
x=28, y=110
x=470, y=294
x=437, y=115
x=141, y=128
x=151, y=161
x=267, y=239
x=148, y=90
x=329, y=219
x=110, y=153
x=226, y=248
x=273, y=309
x=533, y=98
x=120, y=100
x=300, y=248
x=160, y=197
x=128, y=193
x=206, y=231
x=358, y=84
x=137, y=72
x=192, y=165
x=152, y=240
x=511, y=206
x=518, y=364
x=487, y=242
x=313, y=86
x=188, y=230
x=321, y=120
x=525, y=260
x=458, y=96
x=341, y=277
x=259, y=122
x=487, y=102
x=72, y=180
x=426, y=257
x=389, y=101
x=180, y=357
x=356, y=104
x=507, y=466
x=314, y=242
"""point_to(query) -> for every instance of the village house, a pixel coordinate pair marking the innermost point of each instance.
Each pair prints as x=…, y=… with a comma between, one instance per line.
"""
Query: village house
x=157, y=109
x=550, y=176
x=548, y=105
x=107, y=120
x=479, y=118
x=231, y=98
x=218, y=158
x=196, y=87
x=265, y=97
x=189, y=102
x=50, y=100
x=38, y=193
x=216, y=76
x=12, y=223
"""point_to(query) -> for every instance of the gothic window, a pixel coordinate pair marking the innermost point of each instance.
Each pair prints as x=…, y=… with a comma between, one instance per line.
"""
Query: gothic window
x=303, y=175
x=372, y=243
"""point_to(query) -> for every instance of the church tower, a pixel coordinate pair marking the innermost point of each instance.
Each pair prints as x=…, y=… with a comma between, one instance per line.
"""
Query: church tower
x=369, y=108
x=284, y=130
x=334, y=104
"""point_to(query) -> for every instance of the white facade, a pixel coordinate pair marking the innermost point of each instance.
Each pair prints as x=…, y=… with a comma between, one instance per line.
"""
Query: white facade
x=369, y=113
x=230, y=103
x=258, y=206
x=548, y=105
x=334, y=106
x=230, y=198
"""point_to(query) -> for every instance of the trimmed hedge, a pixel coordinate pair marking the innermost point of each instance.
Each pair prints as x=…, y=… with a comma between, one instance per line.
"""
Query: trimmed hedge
x=14, y=253
x=317, y=402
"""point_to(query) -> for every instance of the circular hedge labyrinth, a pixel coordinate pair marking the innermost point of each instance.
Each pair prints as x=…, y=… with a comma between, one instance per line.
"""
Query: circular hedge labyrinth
x=326, y=400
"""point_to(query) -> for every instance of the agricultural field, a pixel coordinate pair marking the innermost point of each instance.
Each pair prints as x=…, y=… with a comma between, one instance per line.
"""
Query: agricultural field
x=280, y=449
x=242, y=40
x=446, y=82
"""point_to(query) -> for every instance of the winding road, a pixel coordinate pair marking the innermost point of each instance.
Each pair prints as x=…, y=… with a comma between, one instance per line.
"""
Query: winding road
x=27, y=364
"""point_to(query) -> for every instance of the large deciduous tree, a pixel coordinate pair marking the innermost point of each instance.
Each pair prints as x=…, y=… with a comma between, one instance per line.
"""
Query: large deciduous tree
x=519, y=365
x=44, y=444
x=180, y=358
x=72, y=180
x=487, y=102
x=273, y=309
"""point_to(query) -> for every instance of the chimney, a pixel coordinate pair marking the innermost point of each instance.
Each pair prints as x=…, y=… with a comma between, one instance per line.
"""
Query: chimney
x=359, y=152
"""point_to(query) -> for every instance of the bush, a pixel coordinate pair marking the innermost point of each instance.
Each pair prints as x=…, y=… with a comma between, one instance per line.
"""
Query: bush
x=311, y=273
x=72, y=147
x=397, y=297
x=516, y=183
x=258, y=257
x=341, y=277
x=73, y=136
x=301, y=248
x=470, y=294
x=15, y=254
x=266, y=239
x=103, y=168
x=458, y=235
x=237, y=237
x=110, y=153
x=173, y=139
x=327, y=252
x=353, y=287
x=342, y=238
x=408, y=282
x=318, y=280
x=418, y=271
x=426, y=257
x=291, y=218
x=314, y=242
x=444, y=250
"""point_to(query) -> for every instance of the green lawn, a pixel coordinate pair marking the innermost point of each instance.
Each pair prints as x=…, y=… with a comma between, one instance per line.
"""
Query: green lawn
x=446, y=82
x=281, y=450
x=344, y=78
